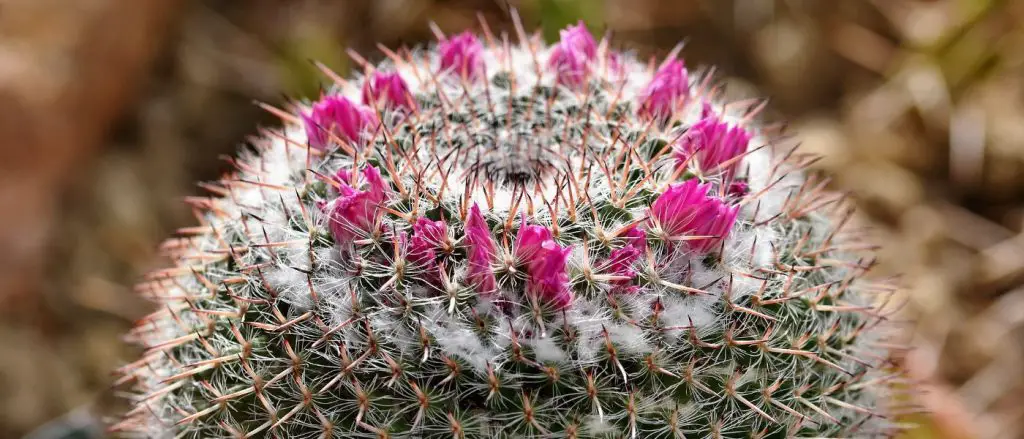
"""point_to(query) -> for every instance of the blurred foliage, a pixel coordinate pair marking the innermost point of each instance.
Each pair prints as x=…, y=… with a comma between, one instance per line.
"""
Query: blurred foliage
x=555, y=15
x=924, y=429
x=300, y=78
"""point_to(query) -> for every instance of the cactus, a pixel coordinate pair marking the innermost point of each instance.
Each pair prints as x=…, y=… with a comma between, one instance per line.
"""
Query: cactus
x=497, y=239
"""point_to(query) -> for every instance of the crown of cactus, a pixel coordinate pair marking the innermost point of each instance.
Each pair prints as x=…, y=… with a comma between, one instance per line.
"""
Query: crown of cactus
x=497, y=239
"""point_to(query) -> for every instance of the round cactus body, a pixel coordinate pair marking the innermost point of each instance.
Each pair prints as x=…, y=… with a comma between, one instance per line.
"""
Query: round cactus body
x=491, y=238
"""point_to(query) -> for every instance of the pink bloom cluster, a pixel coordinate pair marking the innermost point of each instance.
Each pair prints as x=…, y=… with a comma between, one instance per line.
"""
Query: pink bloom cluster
x=573, y=54
x=388, y=90
x=356, y=212
x=545, y=262
x=686, y=213
x=462, y=54
x=481, y=251
x=339, y=117
x=712, y=145
x=668, y=90
x=620, y=261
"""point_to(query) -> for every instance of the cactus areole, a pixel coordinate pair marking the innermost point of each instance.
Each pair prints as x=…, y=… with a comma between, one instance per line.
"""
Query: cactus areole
x=496, y=238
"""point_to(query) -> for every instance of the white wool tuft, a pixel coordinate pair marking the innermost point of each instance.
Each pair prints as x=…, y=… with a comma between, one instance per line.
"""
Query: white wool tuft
x=682, y=311
x=457, y=338
x=291, y=284
x=546, y=350
x=628, y=338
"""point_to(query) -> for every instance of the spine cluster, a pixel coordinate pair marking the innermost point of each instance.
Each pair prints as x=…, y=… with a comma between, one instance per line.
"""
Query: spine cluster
x=488, y=238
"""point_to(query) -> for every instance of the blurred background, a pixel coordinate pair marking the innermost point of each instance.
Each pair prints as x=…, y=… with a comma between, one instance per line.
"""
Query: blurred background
x=111, y=110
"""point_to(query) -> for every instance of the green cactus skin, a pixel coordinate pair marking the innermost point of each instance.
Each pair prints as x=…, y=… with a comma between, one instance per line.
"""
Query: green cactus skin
x=269, y=327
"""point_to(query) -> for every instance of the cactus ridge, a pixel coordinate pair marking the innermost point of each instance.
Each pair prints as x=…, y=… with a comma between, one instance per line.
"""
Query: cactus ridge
x=510, y=239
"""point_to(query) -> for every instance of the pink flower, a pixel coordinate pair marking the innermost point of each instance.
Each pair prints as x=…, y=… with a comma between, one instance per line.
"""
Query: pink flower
x=529, y=243
x=620, y=263
x=571, y=68
x=387, y=89
x=356, y=212
x=545, y=261
x=579, y=38
x=548, y=278
x=711, y=143
x=667, y=91
x=478, y=234
x=481, y=251
x=434, y=233
x=685, y=210
x=340, y=117
x=573, y=54
x=614, y=65
x=738, y=189
x=343, y=176
x=706, y=110
x=376, y=182
x=462, y=54
x=636, y=237
x=427, y=237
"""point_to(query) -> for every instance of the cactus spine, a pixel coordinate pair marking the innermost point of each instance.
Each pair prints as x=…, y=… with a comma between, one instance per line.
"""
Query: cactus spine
x=490, y=238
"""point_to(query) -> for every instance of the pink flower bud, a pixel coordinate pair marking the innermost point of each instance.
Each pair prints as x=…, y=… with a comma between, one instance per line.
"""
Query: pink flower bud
x=636, y=237
x=545, y=261
x=434, y=233
x=481, y=251
x=356, y=212
x=685, y=212
x=572, y=56
x=427, y=237
x=387, y=89
x=706, y=110
x=376, y=182
x=548, y=278
x=579, y=38
x=462, y=55
x=529, y=242
x=667, y=91
x=712, y=145
x=339, y=117
x=571, y=68
x=343, y=176
x=738, y=189
x=620, y=261
x=616, y=68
